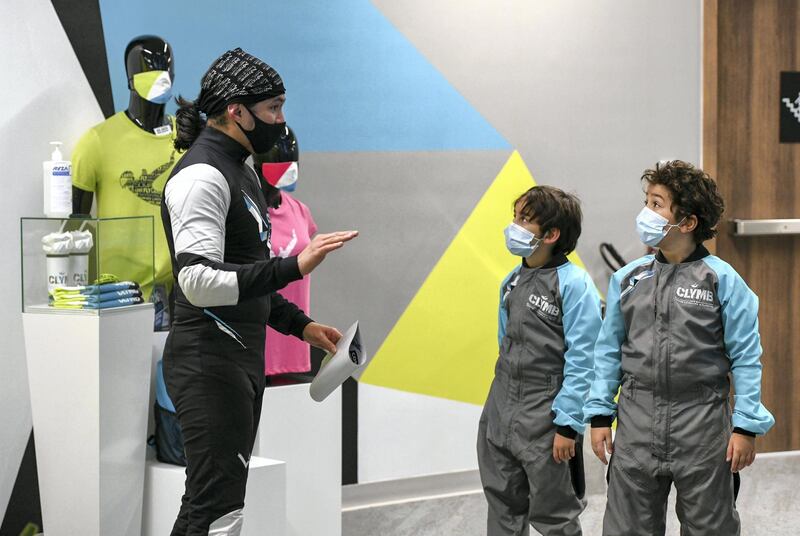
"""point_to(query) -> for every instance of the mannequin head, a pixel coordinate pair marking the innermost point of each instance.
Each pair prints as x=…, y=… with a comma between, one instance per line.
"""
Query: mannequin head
x=279, y=166
x=150, y=72
x=148, y=53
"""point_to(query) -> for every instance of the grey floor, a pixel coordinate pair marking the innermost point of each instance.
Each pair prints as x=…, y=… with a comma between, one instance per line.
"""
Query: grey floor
x=769, y=504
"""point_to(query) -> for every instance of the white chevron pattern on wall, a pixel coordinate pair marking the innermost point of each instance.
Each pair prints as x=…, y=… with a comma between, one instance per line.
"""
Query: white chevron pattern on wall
x=49, y=99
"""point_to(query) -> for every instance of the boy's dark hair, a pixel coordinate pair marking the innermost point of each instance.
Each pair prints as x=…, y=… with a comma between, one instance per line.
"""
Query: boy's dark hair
x=693, y=193
x=552, y=208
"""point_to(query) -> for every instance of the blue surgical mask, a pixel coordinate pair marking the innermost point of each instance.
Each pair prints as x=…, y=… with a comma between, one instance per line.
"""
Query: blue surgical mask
x=653, y=227
x=520, y=241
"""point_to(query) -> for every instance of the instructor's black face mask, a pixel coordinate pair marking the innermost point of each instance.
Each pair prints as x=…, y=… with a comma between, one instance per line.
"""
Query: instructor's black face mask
x=264, y=135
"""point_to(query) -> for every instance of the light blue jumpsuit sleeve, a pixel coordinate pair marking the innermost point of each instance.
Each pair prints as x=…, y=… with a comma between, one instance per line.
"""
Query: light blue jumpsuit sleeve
x=607, y=358
x=739, y=307
x=581, y=318
x=502, y=314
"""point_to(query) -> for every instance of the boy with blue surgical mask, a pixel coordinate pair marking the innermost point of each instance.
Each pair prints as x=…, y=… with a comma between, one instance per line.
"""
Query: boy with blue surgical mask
x=529, y=438
x=677, y=324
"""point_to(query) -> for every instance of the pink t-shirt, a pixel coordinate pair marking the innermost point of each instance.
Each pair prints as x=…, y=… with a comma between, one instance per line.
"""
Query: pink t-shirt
x=292, y=229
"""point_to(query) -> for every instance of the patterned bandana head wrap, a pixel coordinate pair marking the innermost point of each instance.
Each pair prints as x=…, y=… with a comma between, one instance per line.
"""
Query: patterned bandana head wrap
x=237, y=76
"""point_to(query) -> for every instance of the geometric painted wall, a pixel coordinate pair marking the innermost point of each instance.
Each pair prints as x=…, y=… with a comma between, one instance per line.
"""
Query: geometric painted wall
x=49, y=98
x=583, y=109
x=449, y=329
x=354, y=83
x=419, y=122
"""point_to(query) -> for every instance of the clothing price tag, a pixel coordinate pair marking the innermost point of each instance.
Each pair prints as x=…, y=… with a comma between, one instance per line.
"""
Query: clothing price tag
x=165, y=130
x=349, y=360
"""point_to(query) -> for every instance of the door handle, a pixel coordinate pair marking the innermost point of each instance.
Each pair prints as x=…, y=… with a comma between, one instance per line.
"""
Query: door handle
x=766, y=227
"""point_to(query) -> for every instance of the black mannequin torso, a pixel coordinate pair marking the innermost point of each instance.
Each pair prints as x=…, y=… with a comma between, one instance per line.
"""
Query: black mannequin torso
x=145, y=114
x=143, y=53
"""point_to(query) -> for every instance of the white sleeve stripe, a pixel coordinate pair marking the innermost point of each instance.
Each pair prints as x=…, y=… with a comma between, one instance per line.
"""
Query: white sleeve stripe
x=198, y=198
x=204, y=286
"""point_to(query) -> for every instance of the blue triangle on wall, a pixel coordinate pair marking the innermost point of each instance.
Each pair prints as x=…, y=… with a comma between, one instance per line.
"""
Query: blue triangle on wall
x=354, y=82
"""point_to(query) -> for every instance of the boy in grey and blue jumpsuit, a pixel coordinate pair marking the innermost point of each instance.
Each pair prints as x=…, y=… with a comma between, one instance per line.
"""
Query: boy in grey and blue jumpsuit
x=672, y=334
x=548, y=322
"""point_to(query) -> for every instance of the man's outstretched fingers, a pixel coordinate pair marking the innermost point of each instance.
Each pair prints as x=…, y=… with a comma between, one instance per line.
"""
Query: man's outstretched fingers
x=339, y=236
x=327, y=248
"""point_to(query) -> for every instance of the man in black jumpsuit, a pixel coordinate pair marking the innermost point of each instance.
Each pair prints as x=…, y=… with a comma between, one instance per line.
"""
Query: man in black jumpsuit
x=217, y=227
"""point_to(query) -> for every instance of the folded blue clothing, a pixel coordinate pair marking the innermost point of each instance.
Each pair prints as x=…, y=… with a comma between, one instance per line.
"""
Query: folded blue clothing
x=71, y=293
x=84, y=303
x=121, y=302
x=109, y=287
x=113, y=295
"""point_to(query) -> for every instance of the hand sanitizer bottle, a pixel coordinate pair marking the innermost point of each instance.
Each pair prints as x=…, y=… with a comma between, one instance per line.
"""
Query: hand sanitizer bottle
x=57, y=184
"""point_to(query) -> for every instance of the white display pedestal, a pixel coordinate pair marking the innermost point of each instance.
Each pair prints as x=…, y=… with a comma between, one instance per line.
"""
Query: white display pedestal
x=88, y=373
x=264, y=502
x=307, y=435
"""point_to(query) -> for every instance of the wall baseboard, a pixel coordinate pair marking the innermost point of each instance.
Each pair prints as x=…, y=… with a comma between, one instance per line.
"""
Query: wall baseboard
x=374, y=494
x=388, y=492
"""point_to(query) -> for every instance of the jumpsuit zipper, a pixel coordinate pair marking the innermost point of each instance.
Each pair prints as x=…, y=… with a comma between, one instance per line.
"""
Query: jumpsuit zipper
x=654, y=356
x=667, y=376
x=518, y=364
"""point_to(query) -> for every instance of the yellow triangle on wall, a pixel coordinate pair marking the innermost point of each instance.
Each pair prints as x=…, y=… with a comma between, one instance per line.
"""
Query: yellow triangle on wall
x=445, y=342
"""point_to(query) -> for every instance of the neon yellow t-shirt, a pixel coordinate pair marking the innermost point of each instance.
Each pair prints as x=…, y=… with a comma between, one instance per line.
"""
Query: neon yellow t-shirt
x=127, y=167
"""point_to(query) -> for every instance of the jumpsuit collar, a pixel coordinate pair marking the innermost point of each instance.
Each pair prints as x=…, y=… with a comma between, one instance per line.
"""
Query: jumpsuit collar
x=224, y=143
x=555, y=262
x=700, y=252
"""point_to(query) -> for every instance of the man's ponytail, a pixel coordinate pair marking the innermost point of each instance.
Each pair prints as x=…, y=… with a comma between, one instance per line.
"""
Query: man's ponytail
x=189, y=123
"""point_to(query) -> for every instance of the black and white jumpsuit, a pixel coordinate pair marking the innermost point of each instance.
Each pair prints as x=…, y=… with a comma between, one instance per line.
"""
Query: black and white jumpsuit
x=217, y=227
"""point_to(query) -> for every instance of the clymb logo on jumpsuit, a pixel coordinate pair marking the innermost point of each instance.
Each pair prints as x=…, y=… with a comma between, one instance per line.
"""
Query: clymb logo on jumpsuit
x=695, y=295
x=543, y=306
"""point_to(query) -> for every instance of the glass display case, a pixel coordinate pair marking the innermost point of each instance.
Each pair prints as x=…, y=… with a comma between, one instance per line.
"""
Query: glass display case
x=71, y=264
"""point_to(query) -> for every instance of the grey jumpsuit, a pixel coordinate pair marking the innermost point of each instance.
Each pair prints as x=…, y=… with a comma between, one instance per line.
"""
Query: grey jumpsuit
x=549, y=320
x=671, y=336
